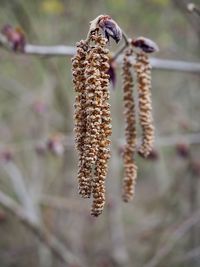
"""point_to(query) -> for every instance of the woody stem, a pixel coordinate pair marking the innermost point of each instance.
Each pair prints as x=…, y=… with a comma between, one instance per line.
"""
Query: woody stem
x=126, y=44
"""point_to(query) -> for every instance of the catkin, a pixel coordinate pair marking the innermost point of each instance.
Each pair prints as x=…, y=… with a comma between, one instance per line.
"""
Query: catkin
x=130, y=167
x=78, y=72
x=101, y=165
x=143, y=71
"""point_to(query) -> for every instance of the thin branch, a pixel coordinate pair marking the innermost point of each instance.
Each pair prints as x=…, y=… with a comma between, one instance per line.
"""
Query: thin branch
x=193, y=20
x=56, y=247
x=160, y=141
x=58, y=50
x=174, y=238
x=193, y=8
x=188, y=256
x=171, y=140
x=63, y=203
x=119, y=52
x=62, y=50
x=118, y=248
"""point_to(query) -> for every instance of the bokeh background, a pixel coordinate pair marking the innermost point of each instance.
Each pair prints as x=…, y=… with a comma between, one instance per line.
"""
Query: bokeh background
x=43, y=220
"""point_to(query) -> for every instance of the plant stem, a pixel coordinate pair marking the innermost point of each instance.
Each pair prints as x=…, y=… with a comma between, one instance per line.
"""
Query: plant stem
x=126, y=44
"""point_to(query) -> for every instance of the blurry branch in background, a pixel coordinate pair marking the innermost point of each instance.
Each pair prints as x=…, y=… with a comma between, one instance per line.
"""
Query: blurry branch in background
x=194, y=21
x=193, y=8
x=62, y=50
x=30, y=206
x=188, y=256
x=63, y=203
x=118, y=245
x=55, y=246
x=39, y=146
x=174, y=238
x=172, y=140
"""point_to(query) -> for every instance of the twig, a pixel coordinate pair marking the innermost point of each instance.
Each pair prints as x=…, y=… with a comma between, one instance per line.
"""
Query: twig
x=63, y=203
x=62, y=50
x=120, y=51
x=56, y=247
x=188, y=256
x=171, y=140
x=193, y=20
x=193, y=8
x=161, y=141
x=118, y=247
x=175, y=237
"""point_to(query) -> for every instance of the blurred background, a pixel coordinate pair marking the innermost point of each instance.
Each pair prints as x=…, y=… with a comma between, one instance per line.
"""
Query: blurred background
x=43, y=220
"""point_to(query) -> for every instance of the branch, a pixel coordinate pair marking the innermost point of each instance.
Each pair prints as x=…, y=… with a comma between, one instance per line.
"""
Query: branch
x=56, y=247
x=171, y=140
x=193, y=8
x=188, y=256
x=63, y=203
x=174, y=238
x=62, y=50
x=193, y=20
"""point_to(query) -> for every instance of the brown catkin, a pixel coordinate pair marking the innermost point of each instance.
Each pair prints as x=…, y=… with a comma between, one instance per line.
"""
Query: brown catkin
x=143, y=71
x=101, y=165
x=78, y=71
x=130, y=167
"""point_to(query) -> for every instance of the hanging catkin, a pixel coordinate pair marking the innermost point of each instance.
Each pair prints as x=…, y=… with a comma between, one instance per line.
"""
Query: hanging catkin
x=92, y=108
x=143, y=71
x=78, y=71
x=101, y=165
x=130, y=168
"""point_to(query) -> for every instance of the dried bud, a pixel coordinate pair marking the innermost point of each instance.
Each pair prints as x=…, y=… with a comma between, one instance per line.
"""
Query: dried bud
x=15, y=36
x=183, y=150
x=110, y=28
x=6, y=156
x=56, y=144
x=153, y=155
x=142, y=44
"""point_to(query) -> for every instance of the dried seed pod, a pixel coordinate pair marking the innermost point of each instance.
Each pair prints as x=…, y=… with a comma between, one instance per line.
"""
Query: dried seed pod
x=143, y=71
x=130, y=167
x=103, y=155
x=78, y=71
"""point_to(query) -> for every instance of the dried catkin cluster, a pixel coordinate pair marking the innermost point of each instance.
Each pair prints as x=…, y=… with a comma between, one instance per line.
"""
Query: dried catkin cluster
x=90, y=68
x=143, y=71
x=92, y=109
x=140, y=47
x=130, y=167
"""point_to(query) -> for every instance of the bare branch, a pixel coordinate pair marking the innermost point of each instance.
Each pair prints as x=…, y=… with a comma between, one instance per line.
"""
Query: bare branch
x=56, y=247
x=188, y=256
x=62, y=50
x=171, y=140
x=63, y=203
x=193, y=20
x=174, y=238
x=193, y=8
